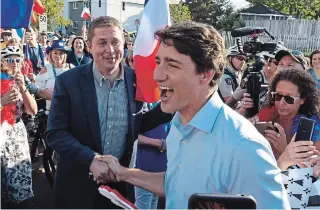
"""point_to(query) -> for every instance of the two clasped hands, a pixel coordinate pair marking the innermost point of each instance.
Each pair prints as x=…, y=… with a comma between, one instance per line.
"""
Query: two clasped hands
x=106, y=168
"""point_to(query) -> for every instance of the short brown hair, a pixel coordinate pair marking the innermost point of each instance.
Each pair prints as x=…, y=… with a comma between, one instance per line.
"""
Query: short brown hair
x=201, y=42
x=14, y=42
x=100, y=22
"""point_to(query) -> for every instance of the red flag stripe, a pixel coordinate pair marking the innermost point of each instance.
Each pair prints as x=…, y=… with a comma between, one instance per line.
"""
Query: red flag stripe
x=38, y=7
x=146, y=48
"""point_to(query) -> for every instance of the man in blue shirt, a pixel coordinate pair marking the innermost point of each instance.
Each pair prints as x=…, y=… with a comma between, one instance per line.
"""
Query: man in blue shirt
x=210, y=148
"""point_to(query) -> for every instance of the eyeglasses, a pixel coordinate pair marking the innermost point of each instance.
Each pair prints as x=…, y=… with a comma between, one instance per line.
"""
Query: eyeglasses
x=241, y=58
x=11, y=60
x=288, y=99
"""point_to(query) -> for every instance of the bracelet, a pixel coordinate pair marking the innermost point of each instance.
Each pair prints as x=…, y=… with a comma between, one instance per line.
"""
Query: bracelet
x=24, y=91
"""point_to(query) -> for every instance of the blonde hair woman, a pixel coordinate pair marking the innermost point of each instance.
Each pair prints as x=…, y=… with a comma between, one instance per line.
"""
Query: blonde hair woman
x=129, y=59
x=16, y=168
x=47, y=76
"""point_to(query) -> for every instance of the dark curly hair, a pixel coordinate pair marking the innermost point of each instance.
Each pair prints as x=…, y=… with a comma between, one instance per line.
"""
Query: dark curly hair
x=201, y=42
x=85, y=48
x=307, y=88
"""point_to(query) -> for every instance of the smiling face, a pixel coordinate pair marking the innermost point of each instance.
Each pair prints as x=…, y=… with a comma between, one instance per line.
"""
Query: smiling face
x=285, y=109
x=58, y=56
x=180, y=85
x=106, y=47
x=288, y=62
x=316, y=61
x=78, y=45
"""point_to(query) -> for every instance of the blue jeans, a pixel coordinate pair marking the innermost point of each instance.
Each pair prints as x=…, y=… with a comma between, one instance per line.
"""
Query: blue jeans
x=145, y=199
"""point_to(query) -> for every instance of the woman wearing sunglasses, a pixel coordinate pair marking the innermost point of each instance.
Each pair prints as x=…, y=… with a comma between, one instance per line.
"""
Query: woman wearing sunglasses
x=293, y=95
x=16, y=168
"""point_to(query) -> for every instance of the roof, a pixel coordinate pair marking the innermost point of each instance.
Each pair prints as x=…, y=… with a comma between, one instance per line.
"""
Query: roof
x=262, y=9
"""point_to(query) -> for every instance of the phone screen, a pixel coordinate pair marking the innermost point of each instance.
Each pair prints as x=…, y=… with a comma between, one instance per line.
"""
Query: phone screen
x=262, y=126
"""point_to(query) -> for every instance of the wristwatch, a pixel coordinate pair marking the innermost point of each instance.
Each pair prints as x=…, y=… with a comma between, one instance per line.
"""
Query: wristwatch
x=25, y=90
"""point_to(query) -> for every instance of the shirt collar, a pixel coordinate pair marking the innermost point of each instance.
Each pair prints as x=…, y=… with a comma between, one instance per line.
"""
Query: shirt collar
x=99, y=77
x=205, y=118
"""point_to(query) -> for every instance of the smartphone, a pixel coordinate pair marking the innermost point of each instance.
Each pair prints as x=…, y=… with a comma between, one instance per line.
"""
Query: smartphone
x=221, y=201
x=305, y=129
x=262, y=126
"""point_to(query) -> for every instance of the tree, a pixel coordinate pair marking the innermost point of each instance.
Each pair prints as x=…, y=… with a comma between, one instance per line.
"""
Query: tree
x=180, y=12
x=54, y=9
x=218, y=13
x=306, y=9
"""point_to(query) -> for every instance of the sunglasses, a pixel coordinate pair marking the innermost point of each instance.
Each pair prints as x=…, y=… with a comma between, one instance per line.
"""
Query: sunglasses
x=288, y=99
x=6, y=34
x=241, y=58
x=11, y=60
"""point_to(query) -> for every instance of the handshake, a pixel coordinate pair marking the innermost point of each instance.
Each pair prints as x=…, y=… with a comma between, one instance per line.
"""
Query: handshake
x=106, y=168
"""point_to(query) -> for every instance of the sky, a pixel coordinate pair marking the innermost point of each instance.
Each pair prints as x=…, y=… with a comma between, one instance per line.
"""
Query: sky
x=239, y=4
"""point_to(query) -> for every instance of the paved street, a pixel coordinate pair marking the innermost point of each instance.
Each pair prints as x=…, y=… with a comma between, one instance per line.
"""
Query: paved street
x=43, y=196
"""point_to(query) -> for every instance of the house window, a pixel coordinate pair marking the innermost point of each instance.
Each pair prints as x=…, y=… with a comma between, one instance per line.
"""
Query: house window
x=75, y=5
x=87, y=24
x=75, y=24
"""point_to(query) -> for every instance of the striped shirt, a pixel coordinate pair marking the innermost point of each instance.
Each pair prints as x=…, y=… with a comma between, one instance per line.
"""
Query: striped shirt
x=113, y=112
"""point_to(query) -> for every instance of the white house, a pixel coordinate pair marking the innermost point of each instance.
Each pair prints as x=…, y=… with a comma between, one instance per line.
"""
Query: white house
x=126, y=11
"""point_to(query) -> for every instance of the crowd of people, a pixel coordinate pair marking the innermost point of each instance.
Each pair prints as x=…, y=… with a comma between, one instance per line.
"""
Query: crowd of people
x=200, y=137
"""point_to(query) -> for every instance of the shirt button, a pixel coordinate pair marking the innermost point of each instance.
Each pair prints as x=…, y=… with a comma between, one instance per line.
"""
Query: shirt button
x=184, y=141
x=180, y=165
x=107, y=143
x=110, y=126
x=110, y=109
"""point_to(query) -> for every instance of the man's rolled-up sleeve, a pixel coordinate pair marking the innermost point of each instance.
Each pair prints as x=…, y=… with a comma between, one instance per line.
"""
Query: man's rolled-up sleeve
x=253, y=171
x=58, y=134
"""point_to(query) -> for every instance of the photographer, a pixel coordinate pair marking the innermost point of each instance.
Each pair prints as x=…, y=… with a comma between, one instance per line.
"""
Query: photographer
x=268, y=71
x=286, y=59
x=233, y=72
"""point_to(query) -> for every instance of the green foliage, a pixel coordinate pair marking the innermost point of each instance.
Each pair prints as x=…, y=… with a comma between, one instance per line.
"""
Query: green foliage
x=180, y=12
x=305, y=9
x=218, y=13
x=54, y=10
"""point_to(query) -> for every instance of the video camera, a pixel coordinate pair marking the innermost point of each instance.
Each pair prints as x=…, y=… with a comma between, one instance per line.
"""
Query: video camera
x=252, y=78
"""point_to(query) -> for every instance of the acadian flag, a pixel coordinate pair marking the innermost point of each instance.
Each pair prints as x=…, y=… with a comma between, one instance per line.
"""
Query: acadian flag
x=38, y=8
x=16, y=14
x=156, y=15
x=86, y=13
